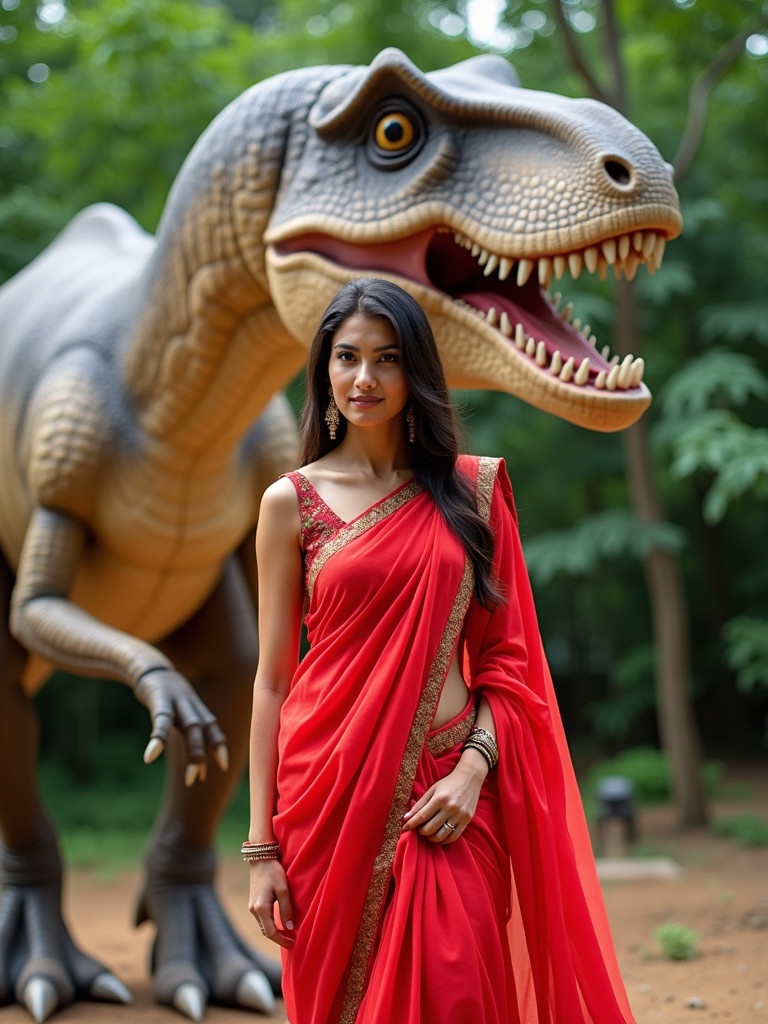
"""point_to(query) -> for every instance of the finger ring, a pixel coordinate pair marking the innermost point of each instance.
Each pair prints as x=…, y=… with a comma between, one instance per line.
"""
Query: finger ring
x=447, y=824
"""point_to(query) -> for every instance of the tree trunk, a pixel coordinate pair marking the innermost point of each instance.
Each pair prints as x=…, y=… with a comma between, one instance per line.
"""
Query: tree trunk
x=677, y=727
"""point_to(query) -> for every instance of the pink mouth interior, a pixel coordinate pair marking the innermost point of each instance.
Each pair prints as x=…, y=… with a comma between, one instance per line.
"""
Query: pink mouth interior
x=434, y=259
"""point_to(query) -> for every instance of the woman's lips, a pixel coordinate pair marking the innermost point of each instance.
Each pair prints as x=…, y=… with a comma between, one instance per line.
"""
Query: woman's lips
x=365, y=403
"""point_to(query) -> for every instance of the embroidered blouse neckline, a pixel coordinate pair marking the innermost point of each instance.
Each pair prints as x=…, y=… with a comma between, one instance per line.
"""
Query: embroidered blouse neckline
x=366, y=511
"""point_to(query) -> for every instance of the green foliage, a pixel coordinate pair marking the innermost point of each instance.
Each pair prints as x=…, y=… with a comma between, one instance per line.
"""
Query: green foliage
x=676, y=941
x=717, y=377
x=631, y=695
x=746, y=829
x=648, y=768
x=613, y=533
x=746, y=651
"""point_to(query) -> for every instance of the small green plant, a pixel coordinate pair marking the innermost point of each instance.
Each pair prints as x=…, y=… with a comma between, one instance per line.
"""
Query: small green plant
x=677, y=942
x=746, y=829
x=648, y=768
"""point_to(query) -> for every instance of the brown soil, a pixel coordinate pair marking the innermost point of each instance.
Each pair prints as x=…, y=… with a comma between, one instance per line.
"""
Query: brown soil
x=722, y=895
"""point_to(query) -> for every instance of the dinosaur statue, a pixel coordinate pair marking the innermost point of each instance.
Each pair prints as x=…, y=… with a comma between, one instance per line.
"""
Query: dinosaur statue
x=141, y=419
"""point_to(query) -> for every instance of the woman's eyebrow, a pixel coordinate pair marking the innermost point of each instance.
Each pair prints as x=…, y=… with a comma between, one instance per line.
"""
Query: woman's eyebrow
x=354, y=348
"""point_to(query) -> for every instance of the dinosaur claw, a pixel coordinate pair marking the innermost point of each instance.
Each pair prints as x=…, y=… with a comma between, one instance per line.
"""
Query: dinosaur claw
x=189, y=1000
x=40, y=998
x=255, y=992
x=153, y=750
x=221, y=756
x=107, y=987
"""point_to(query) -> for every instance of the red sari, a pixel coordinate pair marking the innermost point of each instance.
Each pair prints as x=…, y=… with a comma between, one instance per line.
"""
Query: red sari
x=505, y=926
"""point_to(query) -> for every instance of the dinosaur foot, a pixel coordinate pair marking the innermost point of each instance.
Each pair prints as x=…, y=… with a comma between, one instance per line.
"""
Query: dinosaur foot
x=40, y=966
x=197, y=957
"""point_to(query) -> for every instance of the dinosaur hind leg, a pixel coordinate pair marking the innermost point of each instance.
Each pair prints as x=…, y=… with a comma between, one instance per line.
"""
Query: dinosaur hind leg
x=39, y=964
x=198, y=955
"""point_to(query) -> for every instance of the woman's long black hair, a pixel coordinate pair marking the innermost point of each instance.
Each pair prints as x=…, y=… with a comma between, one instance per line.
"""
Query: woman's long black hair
x=436, y=441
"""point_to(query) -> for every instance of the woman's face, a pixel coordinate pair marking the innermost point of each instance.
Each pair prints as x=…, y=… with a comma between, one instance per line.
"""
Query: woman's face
x=366, y=371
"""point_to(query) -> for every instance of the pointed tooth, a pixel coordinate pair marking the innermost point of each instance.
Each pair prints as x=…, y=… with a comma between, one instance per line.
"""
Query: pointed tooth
x=567, y=310
x=530, y=347
x=586, y=330
x=625, y=243
x=600, y=380
x=575, y=264
x=631, y=263
x=605, y=351
x=612, y=379
x=520, y=336
x=582, y=374
x=524, y=268
x=638, y=369
x=491, y=316
x=475, y=250
x=625, y=372
x=545, y=271
x=504, y=268
x=505, y=325
x=482, y=259
x=637, y=241
x=576, y=324
x=609, y=249
x=658, y=253
x=649, y=245
x=602, y=267
x=490, y=266
x=557, y=362
x=557, y=298
x=559, y=265
x=590, y=258
x=567, y=371
x=458, y=239
x=541, y=354
x=593, y=340
x=615, y=360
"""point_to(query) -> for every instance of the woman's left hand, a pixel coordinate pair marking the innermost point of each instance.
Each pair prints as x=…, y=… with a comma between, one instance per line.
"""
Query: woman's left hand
x=447, y=807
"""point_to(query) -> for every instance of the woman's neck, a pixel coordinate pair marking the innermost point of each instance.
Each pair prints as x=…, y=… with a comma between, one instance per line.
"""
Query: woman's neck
x=382, y=453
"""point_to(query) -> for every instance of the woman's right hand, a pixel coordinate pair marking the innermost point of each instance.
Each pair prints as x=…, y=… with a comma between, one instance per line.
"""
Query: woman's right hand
x=269, y=886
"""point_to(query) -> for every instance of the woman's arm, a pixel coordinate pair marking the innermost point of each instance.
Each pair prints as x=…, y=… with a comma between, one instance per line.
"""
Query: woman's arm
x=279, y=562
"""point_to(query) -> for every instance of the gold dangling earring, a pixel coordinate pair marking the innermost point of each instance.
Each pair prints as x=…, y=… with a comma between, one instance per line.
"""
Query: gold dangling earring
x=410, y=419
x=332, y=416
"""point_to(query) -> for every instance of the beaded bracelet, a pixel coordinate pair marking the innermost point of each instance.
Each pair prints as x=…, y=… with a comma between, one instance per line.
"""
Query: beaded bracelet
x=260, y=851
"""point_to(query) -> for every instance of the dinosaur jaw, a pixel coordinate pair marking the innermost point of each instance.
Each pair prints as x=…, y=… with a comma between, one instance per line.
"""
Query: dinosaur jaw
x=497, y=325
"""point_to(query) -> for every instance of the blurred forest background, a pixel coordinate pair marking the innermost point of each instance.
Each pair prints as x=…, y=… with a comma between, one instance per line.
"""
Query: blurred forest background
x=647, y=549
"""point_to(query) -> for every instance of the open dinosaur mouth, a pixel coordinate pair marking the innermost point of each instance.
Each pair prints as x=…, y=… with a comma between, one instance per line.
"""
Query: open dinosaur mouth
x=510, y=295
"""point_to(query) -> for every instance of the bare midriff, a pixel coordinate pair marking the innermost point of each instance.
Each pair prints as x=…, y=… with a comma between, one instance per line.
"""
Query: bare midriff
x=454, y=697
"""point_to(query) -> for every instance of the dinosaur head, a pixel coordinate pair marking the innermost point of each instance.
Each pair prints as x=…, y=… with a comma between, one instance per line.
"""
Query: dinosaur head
x=476, y=196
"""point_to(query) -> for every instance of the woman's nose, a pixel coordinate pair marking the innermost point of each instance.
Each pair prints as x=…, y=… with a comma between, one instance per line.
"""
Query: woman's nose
x=365, y=377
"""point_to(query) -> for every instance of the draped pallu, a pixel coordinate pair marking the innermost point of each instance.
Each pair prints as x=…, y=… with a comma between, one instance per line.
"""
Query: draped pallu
x=504, y=926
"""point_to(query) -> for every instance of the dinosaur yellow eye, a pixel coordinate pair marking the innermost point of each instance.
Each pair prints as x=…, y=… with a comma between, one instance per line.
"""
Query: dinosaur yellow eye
x=394, y=132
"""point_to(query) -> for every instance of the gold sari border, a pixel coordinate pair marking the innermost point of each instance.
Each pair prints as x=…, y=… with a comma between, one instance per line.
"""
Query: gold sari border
x=442, y=740
x=358, y=527
x=487, y=470
x=382, y=867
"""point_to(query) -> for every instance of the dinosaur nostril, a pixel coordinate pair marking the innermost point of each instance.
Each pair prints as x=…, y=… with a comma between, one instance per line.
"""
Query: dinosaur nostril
x=618, y=171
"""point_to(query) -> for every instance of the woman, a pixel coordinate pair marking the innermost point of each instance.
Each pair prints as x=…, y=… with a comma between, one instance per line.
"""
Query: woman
x=417, y=846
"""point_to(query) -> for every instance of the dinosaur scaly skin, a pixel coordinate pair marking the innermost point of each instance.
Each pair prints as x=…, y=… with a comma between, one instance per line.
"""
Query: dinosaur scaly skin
x=140, y=421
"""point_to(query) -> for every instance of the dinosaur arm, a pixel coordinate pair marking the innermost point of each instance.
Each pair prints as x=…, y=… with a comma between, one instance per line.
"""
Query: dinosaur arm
x=45, y=621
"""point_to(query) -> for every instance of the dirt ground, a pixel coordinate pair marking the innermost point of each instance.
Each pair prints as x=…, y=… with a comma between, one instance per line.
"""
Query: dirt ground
x=721, y=893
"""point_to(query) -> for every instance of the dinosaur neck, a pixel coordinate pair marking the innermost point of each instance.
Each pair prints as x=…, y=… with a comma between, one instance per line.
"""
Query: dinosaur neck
x=209, y=351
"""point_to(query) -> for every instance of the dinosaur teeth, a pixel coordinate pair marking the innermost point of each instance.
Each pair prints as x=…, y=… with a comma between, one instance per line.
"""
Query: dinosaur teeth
x=505, y=326
x=524, y=269
x=541, y=354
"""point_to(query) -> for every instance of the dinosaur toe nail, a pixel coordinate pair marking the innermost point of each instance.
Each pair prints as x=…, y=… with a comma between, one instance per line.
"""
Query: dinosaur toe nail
x=189, y=1000
x=107, y=987
x=40, y=998
x=255, y=992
